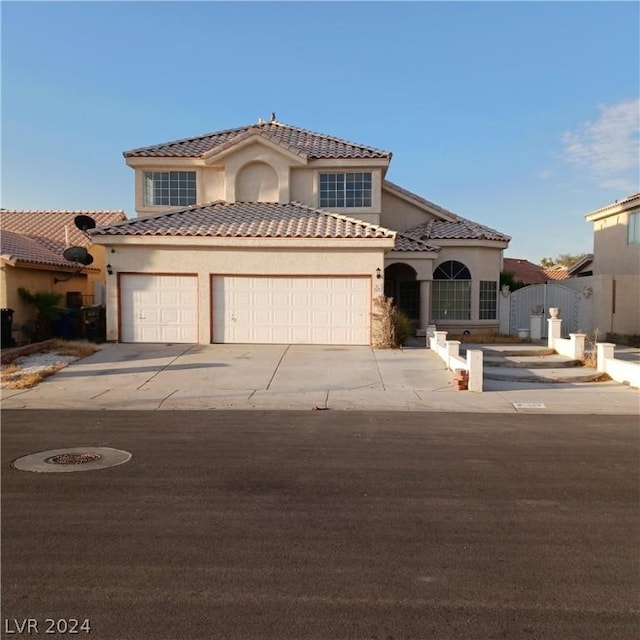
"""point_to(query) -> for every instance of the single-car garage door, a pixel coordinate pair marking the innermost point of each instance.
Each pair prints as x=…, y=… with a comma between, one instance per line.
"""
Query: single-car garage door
x=157, y=308
x=291, y=310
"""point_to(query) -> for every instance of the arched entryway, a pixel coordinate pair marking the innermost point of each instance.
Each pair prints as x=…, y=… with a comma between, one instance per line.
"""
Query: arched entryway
x=400, y=284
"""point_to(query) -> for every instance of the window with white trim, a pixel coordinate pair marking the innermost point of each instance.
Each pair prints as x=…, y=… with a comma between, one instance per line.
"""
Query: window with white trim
x=342, y=190
x=169, y=188
x=633, y=230
x=451, y=297
x=488, y=300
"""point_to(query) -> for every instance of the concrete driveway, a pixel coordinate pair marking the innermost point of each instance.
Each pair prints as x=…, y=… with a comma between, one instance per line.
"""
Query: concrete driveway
x=159, y=376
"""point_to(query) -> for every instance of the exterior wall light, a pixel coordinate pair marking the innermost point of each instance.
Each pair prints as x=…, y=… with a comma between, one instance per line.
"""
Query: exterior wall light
x=109, y=269
x=378, y=273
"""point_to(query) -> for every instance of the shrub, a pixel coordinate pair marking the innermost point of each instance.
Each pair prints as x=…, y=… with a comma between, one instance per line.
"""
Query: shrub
x=402, y=327
x=46, y=304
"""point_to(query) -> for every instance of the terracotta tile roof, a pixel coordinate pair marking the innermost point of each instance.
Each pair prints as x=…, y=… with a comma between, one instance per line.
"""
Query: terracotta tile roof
x=15, y=247
x=524, y=271
x=459, y=230
x=48, y=227
x=451, y=226
x=247, y=220
x=301, y=141
x=530, y=273
x=556, y=273
x=405, y=242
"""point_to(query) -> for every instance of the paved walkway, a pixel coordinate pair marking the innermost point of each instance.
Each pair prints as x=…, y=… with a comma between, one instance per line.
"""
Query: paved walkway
x=150, y=377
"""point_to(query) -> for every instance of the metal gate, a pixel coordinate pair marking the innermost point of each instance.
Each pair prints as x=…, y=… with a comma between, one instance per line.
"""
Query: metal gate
x=543, y=296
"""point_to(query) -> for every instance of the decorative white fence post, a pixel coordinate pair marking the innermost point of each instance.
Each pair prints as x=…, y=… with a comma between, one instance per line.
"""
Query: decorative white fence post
x=555, y=327
x=577, y=345
x=535, y=326
x=474, y=361
x=604, y=351
x=441, y=337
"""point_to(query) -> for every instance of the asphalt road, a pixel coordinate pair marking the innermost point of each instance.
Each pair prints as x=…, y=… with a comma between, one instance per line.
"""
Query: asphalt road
x=325, y=525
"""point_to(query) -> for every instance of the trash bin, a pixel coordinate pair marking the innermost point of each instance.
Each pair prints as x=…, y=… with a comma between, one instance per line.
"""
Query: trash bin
x=64, y=326
x=95, y=326
x=6, y=328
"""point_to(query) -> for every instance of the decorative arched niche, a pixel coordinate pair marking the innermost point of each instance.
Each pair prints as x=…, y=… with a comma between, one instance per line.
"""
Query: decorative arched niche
x=257, y=182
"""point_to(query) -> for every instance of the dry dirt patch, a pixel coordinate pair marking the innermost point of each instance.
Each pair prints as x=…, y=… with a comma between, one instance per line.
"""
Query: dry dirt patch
x=27, y=371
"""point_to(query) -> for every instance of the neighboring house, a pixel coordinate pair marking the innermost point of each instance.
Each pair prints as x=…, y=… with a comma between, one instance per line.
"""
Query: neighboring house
x=31, y=249
x=582, y=268
x=529, y=273
x=274, y=234
x=616, y=264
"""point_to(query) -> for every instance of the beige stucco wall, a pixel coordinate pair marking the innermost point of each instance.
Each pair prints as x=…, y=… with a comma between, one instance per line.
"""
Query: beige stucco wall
x=207, y=261
x=400, y=215
x=611, y=252
x=608, y=303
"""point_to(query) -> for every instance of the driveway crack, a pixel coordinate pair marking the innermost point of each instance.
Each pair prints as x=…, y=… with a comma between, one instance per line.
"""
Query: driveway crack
x=284, y=353
x=166, y=366
x=378, y=369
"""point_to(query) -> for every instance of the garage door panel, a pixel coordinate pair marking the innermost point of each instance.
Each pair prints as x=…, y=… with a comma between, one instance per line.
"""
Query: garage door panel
x=298, y=310
x=156, y=308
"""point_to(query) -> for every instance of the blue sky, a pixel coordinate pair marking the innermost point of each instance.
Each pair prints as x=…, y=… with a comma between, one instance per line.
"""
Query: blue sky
x=520, y=115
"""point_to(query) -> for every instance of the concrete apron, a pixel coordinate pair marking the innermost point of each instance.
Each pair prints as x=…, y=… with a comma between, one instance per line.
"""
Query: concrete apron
x=303, y=377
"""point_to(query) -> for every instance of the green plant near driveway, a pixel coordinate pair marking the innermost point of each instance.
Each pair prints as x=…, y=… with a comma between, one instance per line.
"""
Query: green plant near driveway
x=402, y=327
x=46, y=305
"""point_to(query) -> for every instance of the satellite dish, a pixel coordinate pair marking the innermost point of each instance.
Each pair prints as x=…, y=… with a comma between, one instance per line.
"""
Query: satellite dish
x=75, y=254
x=84, y=223
x=88, y=260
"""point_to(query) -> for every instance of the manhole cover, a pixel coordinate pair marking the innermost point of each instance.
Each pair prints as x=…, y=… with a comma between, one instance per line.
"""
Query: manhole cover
x=72, y=459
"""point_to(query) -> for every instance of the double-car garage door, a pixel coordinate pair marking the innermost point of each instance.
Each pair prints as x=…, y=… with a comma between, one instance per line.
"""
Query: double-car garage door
x=257, y=309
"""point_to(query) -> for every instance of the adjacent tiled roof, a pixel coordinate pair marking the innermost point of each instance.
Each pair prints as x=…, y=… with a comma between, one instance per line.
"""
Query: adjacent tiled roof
x=51, y=228
x=582, y=265
x=617, y=203
x=524, y=271
x=301, y=141
x=459, y=230
x=40, y=237
x=530, y=273
x=247, y=220
x=15, y=247
x=558, y=272
x=405, y=242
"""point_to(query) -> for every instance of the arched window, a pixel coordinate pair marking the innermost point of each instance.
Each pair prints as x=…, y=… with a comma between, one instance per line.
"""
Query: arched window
x=451, y=299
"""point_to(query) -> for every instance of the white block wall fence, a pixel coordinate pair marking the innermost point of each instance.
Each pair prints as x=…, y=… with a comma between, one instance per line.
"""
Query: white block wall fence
x=619, y=370
x=448, y=351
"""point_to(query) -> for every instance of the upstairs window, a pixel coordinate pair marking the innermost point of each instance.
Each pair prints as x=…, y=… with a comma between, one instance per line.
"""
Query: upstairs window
x=169, y=188
x=633, y=230
x=342, y=190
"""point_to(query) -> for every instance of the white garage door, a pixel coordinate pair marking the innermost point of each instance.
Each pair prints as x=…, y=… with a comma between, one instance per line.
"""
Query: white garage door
x=291, y=310
x=158, y=308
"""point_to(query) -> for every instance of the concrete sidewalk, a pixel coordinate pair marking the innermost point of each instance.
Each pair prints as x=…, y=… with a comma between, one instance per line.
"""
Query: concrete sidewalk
x=151, y=376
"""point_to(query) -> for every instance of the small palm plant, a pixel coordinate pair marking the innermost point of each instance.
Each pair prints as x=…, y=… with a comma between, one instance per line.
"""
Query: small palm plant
x=46, y=304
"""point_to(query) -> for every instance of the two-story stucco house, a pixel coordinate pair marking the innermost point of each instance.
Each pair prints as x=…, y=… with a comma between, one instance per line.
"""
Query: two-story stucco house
x=616, y=264
x=274, y=234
